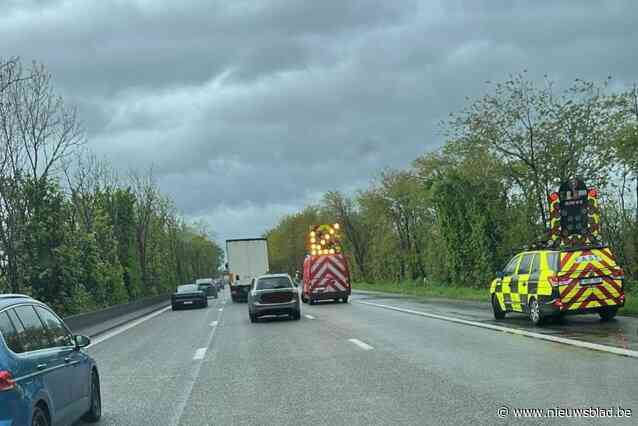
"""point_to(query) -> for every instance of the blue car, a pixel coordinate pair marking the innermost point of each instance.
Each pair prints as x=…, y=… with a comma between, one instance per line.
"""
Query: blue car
x=45, y=376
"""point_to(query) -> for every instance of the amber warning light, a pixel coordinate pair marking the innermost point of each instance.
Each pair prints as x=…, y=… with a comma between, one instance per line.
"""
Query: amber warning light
x=324, y=239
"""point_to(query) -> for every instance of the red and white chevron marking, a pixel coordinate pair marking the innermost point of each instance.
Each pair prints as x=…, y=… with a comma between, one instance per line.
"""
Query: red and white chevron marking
x=329, y=272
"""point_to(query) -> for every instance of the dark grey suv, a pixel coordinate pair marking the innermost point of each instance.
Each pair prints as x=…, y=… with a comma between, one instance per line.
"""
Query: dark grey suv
x=273, y=294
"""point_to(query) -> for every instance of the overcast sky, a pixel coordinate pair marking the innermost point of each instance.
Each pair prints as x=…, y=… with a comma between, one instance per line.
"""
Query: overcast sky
x=251, y=109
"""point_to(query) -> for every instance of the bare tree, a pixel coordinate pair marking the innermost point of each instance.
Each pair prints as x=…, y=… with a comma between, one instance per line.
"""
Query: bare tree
x=48, y=131
x=356, y=234
x=87, y=177
x=37, y=133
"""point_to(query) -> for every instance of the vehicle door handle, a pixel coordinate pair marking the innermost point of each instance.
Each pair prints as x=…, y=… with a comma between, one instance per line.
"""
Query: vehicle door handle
x=41, y=366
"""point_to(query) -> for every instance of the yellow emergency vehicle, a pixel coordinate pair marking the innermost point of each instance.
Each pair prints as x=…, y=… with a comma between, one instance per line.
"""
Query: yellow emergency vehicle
x=573, y=271
x=542, y=283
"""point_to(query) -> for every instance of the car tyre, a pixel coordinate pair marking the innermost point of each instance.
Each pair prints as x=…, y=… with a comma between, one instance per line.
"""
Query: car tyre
x=304, y=299
x=535, y=313
x=345, y=299
x=39, y=417
x=496, y=307
x=173, y=308
x=296, y=315
x=95, y=411
x=311, y=301
x=607, y=314
x=253, y=317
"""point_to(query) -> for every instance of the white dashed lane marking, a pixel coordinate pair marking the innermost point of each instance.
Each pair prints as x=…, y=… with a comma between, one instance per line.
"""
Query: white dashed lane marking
x=361, y=344
x=200, y=353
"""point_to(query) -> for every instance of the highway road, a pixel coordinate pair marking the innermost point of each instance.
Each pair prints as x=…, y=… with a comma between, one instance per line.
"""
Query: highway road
x=351, y=364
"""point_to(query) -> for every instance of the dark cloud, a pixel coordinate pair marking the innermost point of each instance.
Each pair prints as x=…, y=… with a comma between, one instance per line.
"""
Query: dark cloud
x=251, y=109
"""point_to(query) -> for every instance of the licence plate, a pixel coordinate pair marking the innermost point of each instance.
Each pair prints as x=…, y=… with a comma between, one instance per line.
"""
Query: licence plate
x=590, y=281
x=188, y=302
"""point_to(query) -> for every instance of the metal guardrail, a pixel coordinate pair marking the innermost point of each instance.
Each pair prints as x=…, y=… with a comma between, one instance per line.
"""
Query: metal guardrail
x=105, y=319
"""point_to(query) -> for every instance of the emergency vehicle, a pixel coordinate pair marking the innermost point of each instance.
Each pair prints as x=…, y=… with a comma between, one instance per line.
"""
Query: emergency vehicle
x=326, y=275
x=573, y=272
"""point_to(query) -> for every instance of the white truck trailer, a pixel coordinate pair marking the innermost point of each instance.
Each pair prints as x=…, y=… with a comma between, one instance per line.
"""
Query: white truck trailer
x=247, y=259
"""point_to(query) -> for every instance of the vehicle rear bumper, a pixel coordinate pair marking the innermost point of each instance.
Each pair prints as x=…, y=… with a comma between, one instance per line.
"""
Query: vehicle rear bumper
x=188, y=302
x=276, y=308
x=551, y=308
x=329, y=295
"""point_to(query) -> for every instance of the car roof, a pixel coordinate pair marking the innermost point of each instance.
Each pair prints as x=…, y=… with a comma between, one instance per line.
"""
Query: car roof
x=273, y=276
x=9, y=299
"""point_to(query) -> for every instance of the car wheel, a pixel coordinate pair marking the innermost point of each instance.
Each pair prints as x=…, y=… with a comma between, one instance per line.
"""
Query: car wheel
x=253, y=317
x=39, y=417
x=296, y=315
x=95, y=410
x=173, y=308
x=303, y=299
x=345, y=299
x=311, y=301
x=496, y=307
x=607, y=313
x=535, y=314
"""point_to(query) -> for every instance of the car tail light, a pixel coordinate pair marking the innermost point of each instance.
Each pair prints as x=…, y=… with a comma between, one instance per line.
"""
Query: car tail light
x=618, y=273
x=6, y=381
x=556, y=281
x=622, y=298
x=559, y=304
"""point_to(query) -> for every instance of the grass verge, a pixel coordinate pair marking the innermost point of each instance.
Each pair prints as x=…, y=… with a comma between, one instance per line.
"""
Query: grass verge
x=427, y=291
x=466, y=293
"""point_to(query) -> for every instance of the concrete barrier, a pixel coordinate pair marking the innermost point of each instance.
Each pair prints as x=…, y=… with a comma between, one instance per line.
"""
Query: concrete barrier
x=93, y=323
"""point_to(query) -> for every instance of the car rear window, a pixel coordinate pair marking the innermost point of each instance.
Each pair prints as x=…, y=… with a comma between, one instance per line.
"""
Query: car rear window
x=273, y=283
x=187, y=288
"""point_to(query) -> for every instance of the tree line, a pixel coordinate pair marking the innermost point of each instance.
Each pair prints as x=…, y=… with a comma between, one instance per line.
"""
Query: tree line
x=458, y=213
x=73, y=232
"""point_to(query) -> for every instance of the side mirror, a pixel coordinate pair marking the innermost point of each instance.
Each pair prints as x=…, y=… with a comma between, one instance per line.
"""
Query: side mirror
x=81, y=341
x=500, y=275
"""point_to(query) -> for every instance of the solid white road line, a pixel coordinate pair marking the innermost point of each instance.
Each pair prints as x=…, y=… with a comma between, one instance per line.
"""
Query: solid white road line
x=361, y=344
x=199, y=354
x=309, y=316
x=213, y=324
x=125, y=327
x=555, y=339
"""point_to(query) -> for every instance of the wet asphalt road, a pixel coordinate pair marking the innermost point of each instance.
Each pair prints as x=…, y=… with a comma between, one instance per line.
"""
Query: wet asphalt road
x=354, y=364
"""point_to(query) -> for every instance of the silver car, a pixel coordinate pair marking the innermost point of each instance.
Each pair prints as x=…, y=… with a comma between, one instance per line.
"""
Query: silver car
x=273, y=294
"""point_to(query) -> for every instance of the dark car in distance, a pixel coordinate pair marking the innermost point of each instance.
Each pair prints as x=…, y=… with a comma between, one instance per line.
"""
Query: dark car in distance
x=45, y=376
x=208, y=288
x=273, y=294
x=188, y=295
